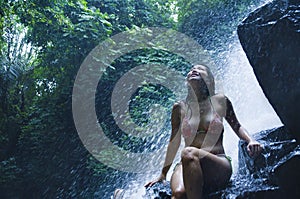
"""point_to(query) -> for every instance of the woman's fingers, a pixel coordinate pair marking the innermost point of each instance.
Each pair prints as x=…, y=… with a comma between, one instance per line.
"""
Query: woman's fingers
x=249, y=149
x=161, y=178
x=150, y=184
x=257, y=149
x=254, y=149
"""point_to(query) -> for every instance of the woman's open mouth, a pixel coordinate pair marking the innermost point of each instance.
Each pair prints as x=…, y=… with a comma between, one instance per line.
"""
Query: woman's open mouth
x=194, y=75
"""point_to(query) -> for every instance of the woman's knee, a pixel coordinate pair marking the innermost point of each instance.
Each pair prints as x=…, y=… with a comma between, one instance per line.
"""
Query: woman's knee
x=189, y=154
x=179, y=194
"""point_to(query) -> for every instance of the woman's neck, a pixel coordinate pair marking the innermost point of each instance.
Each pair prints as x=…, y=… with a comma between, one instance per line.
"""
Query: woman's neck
x=197, y=98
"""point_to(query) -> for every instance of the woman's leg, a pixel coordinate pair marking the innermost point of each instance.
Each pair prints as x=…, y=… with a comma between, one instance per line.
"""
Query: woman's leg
x=203, y=169
x=177, y=186
x=192, y=173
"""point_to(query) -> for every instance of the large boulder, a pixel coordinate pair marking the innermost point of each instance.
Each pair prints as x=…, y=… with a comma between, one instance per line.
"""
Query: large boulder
x=270, y=37
x=277, y=165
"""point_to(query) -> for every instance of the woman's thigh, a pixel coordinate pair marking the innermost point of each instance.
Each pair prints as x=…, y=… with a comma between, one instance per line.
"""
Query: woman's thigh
x=217, y=171
x=177, y=184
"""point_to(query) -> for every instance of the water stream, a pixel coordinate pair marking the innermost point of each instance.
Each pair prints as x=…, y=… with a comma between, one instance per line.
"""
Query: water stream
x=236, y=79
x=252, y=108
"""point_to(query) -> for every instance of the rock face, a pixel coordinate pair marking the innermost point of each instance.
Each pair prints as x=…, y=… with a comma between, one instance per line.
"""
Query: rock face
x=270, y=37
x=277, y=165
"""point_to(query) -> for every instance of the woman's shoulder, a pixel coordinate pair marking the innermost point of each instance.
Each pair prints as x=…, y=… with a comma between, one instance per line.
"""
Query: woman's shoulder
x=220, y=98
x=178, y=109
x=179, y=104
x=220, y=103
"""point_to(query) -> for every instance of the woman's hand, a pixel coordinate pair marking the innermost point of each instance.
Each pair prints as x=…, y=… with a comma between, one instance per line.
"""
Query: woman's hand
x=161, y=178
x=254, y=148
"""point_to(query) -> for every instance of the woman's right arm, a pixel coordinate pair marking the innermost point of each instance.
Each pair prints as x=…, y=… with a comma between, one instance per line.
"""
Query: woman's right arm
x=173, y=145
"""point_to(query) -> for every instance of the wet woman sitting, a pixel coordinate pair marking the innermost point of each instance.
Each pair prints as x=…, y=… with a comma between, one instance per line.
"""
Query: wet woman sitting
x=204, y=166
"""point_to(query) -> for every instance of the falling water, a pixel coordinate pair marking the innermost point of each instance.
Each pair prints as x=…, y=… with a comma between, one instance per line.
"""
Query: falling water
x=237, y=80
x=251, y=106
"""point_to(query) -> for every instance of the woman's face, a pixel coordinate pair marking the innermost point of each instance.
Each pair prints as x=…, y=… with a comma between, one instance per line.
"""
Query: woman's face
x=197, y=72
x=199, y=78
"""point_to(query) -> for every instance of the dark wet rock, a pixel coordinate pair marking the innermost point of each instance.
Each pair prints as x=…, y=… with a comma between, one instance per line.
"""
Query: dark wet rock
x=278, y=165
x=159, y=191
x=277, y=144
x=270, y=37
x=286, y=174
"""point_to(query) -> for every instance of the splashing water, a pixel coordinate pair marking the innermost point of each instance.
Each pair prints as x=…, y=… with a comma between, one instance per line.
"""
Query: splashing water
x=251, y=106
x=253, y=110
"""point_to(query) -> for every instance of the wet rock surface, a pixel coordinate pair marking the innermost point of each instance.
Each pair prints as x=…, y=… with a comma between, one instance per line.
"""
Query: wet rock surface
x=270, y=37
x=279, y=163
x=159, y=191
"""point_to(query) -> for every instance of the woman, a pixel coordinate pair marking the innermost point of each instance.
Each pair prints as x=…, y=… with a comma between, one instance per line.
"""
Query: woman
x=204, y=166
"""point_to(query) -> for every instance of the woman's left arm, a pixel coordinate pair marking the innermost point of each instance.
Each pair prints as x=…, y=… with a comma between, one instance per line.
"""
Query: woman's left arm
x=254, y=148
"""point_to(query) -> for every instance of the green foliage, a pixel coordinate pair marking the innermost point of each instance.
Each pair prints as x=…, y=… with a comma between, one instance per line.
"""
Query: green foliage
x=186, y=8
x=42, y=45
x=96, y=166
x=16, y=62
x=145, y=98
x=143, y=101
x=142, y=13
x=8, y=170
x=212, y=22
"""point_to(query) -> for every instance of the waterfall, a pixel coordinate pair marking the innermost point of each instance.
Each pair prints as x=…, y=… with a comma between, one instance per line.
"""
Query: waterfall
x=237, y=81
x=251, y=106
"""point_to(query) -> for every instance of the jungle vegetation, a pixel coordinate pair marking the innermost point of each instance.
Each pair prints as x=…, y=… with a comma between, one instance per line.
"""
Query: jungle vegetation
x=42, y=45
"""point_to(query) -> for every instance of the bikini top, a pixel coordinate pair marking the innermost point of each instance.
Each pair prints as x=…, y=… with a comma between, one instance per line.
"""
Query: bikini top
x=215, y=125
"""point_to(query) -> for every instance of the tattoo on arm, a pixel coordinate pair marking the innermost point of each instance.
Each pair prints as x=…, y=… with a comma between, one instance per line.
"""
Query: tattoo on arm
x=231, y=117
